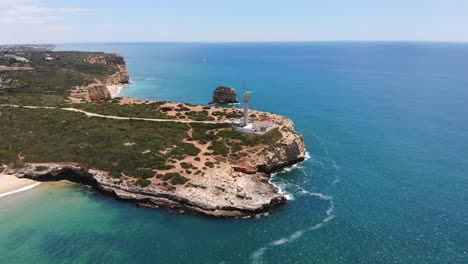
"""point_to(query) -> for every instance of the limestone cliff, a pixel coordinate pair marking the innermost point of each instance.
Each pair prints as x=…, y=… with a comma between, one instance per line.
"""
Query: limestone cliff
x=98, y=89
x=108, y=59
x=289, y=150
x=224, y=95
x=220, y=199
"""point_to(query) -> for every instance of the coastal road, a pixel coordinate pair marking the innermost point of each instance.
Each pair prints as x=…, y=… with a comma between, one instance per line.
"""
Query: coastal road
x=90, y=114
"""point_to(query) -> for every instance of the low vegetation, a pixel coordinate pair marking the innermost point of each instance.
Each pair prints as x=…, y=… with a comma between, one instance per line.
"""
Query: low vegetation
x=49, y=81
x=175, y=178
x=143, y=182
x=116, y=146
x=112, y=107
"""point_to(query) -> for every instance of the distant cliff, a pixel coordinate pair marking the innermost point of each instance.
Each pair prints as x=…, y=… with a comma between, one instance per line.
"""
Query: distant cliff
x=98, y=89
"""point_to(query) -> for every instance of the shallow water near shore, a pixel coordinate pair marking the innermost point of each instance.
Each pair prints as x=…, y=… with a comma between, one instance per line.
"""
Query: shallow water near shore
x=386, y=125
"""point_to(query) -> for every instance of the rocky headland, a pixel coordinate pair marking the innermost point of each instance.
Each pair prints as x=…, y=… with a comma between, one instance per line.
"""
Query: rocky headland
x=183, y=157
x=230, y=186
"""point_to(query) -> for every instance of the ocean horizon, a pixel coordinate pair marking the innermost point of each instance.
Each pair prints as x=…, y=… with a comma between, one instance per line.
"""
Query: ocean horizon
x=386, y=128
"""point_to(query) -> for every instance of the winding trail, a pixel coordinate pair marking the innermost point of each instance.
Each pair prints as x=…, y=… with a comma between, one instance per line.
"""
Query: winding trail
x=90, y=114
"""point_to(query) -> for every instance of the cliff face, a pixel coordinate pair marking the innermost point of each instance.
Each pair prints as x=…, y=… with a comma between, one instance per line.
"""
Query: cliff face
x=224, y=95
x=98, y=90
x=288, y=151
x=220, y=199
x=120, y=77
x=108, y=59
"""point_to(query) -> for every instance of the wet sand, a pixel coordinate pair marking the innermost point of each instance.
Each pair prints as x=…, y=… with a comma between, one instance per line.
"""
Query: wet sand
x=9, y=184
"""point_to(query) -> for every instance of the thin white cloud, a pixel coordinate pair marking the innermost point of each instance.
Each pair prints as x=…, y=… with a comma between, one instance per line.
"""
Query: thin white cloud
x=32, y=12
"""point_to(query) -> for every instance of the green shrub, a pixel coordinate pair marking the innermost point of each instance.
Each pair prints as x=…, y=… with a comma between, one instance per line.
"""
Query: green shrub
x=219, y=147
x=185, y=165
x=143, y=182
x=179, y=180
x=236, y=148
x=145, y=174
x=209, y=164
x=170, y=175
x=175, y=178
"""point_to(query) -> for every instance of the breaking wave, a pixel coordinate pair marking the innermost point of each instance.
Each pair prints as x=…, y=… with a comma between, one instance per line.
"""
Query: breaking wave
x=20, y=190
x=287, y=188
x=257, y=255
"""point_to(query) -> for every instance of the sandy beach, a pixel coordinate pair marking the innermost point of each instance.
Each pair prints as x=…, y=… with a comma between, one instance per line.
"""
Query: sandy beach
x=9, y=184
x=114, y=90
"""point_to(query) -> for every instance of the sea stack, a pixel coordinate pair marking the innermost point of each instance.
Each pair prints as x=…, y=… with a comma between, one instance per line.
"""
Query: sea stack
x=224, y=95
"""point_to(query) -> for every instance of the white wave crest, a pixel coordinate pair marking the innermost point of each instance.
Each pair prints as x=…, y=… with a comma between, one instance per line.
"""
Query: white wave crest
x=20, y=190
x=288, y=188
x=282, y=190
x=257, y=256
x=152, y=79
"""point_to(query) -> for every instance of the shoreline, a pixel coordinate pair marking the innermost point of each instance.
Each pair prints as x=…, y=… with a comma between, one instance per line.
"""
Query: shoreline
x=115, y=89
x=9, y=184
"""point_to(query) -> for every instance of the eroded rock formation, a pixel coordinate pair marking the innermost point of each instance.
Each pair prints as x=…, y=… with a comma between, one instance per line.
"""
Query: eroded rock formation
x=224, y=95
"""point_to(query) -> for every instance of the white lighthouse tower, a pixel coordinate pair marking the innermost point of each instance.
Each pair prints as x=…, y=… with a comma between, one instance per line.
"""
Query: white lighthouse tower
x=246, y=106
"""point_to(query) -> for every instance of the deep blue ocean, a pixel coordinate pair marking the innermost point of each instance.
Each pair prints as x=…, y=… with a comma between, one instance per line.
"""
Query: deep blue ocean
x=386, y=126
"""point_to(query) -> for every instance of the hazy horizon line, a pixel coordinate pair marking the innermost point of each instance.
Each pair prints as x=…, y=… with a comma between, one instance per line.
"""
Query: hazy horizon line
x=246, y=42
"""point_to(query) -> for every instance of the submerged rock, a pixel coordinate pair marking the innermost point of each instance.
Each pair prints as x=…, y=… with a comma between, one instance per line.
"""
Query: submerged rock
x=224, y=95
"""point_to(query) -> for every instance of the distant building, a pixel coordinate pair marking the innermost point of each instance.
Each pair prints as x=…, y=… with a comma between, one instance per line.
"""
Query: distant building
x=263, y=125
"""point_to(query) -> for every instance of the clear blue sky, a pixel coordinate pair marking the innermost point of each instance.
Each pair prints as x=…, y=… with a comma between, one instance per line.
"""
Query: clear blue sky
x=54, y=21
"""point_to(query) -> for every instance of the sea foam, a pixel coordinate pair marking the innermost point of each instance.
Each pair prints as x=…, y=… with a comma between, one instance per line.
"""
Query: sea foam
x=20, y=190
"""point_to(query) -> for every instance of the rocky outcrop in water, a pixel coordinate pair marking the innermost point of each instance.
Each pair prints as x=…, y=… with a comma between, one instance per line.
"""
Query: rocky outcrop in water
x=224, y=95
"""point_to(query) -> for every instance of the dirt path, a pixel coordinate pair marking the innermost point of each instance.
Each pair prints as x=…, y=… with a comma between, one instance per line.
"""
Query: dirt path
x=71, y=109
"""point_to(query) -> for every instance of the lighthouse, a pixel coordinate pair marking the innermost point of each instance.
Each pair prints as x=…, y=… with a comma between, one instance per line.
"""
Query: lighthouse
x=246, y=107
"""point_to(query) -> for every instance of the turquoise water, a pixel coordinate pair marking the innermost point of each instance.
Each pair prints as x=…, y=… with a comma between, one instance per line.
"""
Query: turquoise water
x=386, y=125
